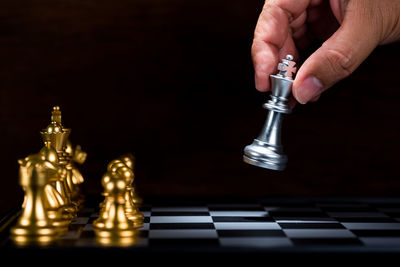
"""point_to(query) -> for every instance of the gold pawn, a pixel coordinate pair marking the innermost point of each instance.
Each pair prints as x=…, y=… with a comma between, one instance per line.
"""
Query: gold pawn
x=129, y=160
x=112, y=222
x=105, y=204
x=34, y=225
x=110, y=168
x=131, y=211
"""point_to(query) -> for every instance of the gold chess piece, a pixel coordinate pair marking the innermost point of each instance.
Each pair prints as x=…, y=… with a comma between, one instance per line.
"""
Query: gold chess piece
x=131, y=211
x=56, y=136
x=129, y=160
x=106, y=178
x=34, y=225
x=113, y=222
x=71, y=187
x=103, y=237
x=105, y=204
x=54, y=202
x=75, y=156
x=51, y=193
x=111, y=167
x=78, y=156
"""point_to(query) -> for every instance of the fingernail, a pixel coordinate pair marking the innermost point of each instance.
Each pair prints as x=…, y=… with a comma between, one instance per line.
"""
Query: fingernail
x=308, y=89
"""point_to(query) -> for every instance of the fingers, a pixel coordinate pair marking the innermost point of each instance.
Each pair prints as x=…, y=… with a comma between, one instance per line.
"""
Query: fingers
x=339, y=56
x=272, y=37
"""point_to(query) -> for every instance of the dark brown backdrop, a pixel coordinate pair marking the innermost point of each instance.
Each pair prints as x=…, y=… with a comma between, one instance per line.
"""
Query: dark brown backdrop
x=172, y=81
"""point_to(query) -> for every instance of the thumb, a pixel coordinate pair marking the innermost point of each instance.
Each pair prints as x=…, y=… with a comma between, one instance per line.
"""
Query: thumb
x=340, y=55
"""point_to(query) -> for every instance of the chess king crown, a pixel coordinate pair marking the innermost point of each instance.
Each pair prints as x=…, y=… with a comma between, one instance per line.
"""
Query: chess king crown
x=55, y=134
x=266, y=150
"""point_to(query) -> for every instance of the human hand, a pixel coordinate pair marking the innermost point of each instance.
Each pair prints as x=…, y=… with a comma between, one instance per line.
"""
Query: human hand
x=351, y=28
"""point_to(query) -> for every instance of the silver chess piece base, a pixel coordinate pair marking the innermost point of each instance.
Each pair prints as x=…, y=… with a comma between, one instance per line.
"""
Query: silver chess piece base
x=266, y=150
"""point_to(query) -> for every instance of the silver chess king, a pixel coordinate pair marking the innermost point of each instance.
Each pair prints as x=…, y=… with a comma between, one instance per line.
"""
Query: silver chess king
x=266, y=150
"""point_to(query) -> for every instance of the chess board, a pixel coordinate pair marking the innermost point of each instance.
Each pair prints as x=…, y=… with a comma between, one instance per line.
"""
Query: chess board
x=269, y=224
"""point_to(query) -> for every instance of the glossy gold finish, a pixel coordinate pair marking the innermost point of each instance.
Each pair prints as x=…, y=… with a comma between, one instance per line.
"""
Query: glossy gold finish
x=111, y=167
x=56, y=136
x=122, y=170
x=118, y=241
x=79, y=156
x=75, y=177
x=54, y=207
x=38, y=240
x=129, y=160
x=105, y=204
x=113, y=222
x=50, y=181
x=136, y=198
x=53, y=201
x=34, y=225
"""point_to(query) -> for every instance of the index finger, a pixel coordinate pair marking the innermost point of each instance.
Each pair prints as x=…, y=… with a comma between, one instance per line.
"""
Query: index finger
x=272, y=37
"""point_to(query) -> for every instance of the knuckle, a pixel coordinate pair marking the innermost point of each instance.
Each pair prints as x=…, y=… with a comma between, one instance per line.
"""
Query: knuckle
x=340, y=63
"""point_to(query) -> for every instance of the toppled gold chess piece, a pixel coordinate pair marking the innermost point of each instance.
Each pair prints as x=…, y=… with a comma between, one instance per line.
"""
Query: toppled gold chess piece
x=129, y=160
x=34, y=225
x=113, y=222
x=131, y=211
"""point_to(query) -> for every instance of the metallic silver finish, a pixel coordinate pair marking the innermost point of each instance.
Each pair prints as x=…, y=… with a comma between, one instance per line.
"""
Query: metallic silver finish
x=266, y=150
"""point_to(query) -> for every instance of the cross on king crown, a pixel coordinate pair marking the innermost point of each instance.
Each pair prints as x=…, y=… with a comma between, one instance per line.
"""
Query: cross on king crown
x=287, y=67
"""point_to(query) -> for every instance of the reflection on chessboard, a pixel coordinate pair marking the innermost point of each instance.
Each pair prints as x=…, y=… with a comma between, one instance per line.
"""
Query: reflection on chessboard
x=264, y=224
x=53, y=200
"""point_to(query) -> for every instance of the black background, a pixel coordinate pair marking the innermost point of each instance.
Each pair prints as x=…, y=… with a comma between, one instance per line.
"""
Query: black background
x=172, y=82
